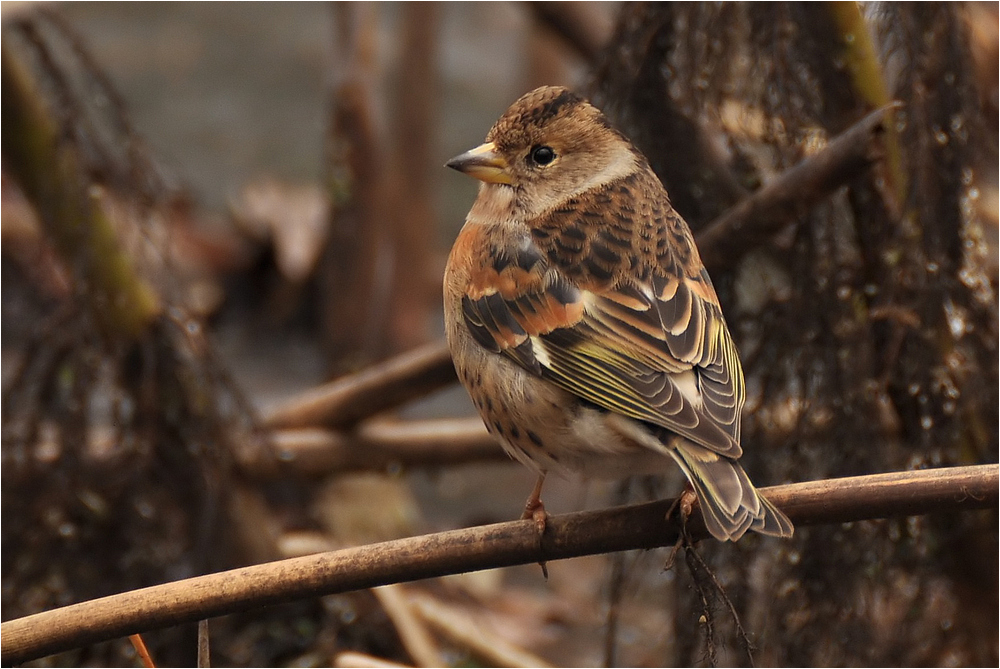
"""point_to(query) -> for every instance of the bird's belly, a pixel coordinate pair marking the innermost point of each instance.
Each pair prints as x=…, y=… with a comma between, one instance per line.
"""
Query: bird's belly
x=547, y=428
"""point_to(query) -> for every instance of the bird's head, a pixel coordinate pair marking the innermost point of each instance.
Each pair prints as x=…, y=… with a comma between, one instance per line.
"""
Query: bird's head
x=549, y=146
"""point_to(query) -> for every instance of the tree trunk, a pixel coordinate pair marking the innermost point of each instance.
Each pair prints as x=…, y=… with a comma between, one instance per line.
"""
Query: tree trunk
x=869, y=321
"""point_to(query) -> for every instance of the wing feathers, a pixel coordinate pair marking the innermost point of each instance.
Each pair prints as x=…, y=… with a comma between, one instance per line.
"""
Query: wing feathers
x=655, y=350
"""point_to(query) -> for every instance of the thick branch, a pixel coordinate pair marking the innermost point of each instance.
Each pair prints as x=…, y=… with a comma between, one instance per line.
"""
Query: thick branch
x=792, y=192
x=382, y=386
x=487, y=547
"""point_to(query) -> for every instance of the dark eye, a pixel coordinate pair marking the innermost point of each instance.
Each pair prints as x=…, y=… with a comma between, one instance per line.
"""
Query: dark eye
x=542, y=155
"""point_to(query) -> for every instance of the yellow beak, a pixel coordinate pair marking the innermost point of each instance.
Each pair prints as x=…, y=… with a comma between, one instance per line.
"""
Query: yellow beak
x=483, y=163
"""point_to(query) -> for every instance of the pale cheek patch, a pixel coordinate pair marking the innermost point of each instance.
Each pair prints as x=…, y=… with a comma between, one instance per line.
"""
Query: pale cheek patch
x=579, y=174
x=621, y=163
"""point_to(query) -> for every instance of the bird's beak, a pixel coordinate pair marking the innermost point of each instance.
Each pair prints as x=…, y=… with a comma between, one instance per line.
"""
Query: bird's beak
x=483, y=163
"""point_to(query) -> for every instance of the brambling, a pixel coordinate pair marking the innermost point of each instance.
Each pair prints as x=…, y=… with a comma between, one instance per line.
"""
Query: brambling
x=582, y=321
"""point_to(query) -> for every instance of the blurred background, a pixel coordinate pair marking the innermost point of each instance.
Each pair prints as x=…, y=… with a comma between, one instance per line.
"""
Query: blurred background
x=210, y=209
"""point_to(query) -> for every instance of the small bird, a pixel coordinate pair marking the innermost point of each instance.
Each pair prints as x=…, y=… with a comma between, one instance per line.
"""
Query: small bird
x=582, y=321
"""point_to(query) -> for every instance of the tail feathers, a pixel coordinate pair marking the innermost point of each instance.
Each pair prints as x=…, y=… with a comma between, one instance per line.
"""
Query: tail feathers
x=730, y=504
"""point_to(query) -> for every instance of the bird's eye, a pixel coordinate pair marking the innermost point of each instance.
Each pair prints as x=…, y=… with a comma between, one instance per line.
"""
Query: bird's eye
x=542, y=155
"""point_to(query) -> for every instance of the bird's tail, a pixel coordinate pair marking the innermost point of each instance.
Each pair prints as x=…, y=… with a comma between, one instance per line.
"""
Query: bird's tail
x=730, y=504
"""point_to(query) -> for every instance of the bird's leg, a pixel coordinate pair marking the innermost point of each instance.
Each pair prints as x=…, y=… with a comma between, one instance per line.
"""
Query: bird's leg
x=685, y=504
x=534, y=509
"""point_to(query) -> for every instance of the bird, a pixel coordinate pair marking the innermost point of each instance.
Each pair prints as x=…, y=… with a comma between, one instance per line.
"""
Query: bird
x=581, y=319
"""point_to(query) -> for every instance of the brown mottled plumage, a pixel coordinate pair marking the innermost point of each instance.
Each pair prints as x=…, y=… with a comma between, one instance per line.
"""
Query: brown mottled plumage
x=582, y=321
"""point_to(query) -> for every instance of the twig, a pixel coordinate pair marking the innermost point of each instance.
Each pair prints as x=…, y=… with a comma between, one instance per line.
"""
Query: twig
x=620, y=572
x=376, y=445
x=142, y=651
x=486, y=547
x=707, y=618
x=700, y=572
x=458, y=627
x=792, y=192
x=415, y=637
x=352, y=658
x=204, y=647
x=383, y=386
x=616, y=587
x=859, y=52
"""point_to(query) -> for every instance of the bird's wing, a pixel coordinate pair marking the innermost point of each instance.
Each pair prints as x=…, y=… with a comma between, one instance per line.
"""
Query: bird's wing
x=657, y=350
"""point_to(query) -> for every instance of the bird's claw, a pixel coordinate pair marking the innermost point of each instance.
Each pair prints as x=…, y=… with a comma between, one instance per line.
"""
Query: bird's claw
x=535, y=510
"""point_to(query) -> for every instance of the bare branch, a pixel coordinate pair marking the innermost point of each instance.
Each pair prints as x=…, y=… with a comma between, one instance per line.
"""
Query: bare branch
x=792, y=192
x=486, y=547
x=382, y=386
x=204, y=647
x=412, y=631
x=356, y=169
x=416, y=166
x=376, y=445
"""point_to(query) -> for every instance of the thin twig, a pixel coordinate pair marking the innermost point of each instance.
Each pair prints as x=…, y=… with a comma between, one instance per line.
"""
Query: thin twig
x=500, y=545
x=792, y=192
x=698, y=567
x=352, y=658
x=142, y=651
x=707, y=618
x=616, y=587
x=204, y=647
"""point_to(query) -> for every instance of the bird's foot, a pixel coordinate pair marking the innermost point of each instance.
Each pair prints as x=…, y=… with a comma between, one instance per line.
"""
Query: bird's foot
x=535, y=510
x=684, y=504
x=684, y=507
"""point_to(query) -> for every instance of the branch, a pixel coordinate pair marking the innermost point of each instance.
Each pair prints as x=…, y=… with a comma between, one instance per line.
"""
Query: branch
x=376, y=445
x=792, y=192
x=382, y=386
x=858, y=50
x=486, y=547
